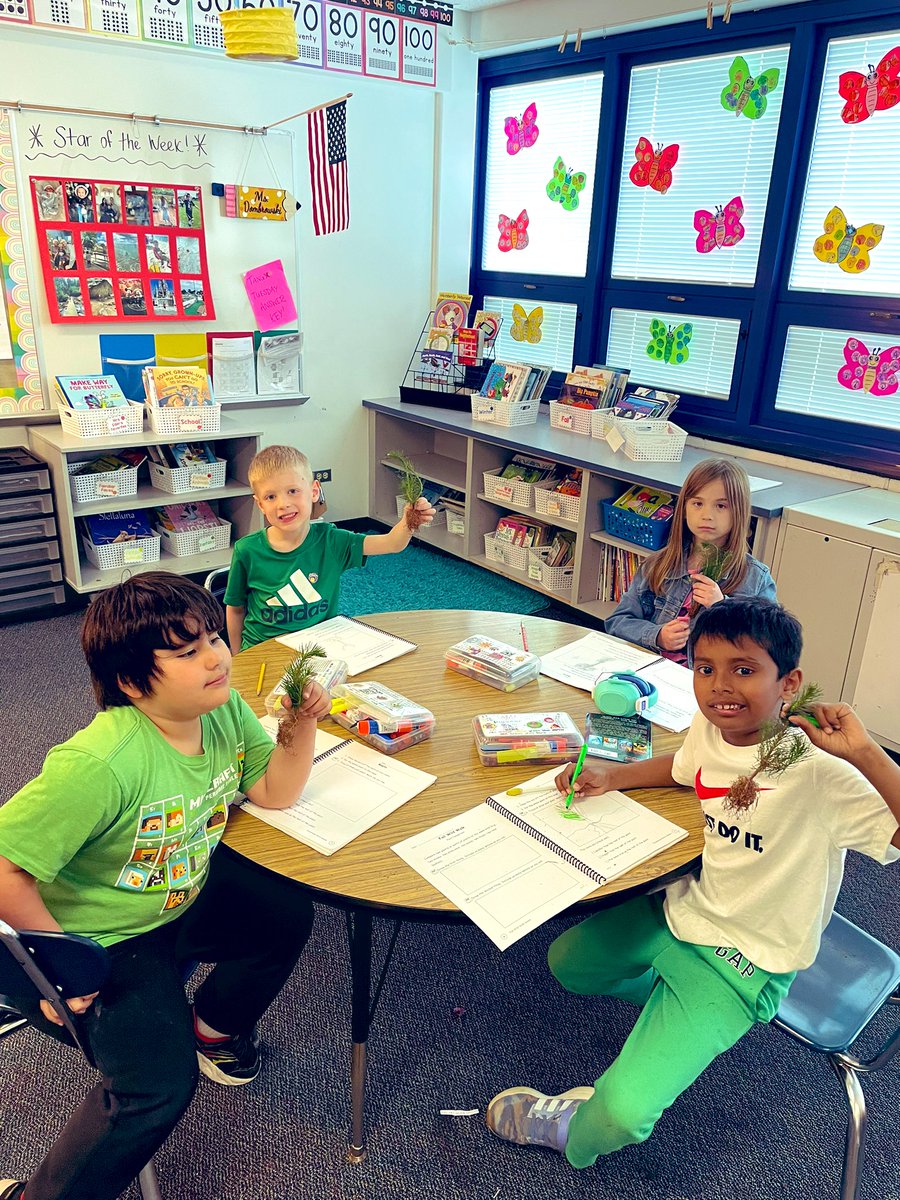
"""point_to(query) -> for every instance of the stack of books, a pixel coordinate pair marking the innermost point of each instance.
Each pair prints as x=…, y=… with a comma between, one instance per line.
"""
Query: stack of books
x=183, y=454
x=561, y=549
x=380, y=716
x=177, y=387
x=645, y=403
x=647, y=502
x=497, y=664
x=183, y=518
x=542, y=738
x=593, y=387
x=520, y=531
x=515, y=383
x=105, y=528
x=529, y=469
x=618, y=568
x=121, y=461
x=90, y=391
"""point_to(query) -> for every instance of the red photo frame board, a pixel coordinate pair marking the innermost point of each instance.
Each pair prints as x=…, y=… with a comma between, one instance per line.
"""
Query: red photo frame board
x=117, y=251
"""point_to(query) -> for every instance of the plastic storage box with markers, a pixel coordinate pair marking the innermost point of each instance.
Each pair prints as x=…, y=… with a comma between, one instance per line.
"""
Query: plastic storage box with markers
x=385, y=719
x=538, y=738
x=327, y=671
x=497, y=664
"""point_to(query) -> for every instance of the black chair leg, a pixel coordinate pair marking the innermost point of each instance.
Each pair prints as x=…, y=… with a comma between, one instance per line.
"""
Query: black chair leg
x=855, y=1145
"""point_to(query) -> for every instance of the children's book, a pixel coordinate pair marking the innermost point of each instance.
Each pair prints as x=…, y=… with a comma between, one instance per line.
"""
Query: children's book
x=193, y=514
x=103, y=528
x=489, y=323
x=90, y=391
x=506, y=381
x=529, y=469
x=179, y=387
x=469, y=346
x=514, y=862
x=360, y=645
x=451, y=311
x=350, y=789
x=646, y=502
x=622, y=739
x=110, y=462
x=191, y=454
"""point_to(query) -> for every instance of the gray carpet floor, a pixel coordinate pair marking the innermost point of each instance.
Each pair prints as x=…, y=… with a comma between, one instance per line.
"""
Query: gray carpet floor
x=764, y=1122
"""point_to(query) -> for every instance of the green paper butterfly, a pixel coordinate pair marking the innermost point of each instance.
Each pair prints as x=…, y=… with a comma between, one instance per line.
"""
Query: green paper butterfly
x=670, y=344
x=745, y=94
x=565, y=185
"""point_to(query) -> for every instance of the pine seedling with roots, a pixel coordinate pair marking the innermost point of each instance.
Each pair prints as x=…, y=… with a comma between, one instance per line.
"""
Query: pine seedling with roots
x=715, y=563
x=411, y=487
x=781, y=745
x=295, y=679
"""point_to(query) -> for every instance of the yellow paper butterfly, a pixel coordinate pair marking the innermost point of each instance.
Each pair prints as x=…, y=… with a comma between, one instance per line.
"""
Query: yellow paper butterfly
x=526, y=327
x=845, y=245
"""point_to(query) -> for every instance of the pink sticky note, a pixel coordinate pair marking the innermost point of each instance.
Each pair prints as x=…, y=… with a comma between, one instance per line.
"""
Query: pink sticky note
x=270, y=296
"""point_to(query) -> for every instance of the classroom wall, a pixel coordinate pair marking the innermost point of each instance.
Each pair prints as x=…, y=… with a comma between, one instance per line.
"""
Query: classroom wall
x=363, y=293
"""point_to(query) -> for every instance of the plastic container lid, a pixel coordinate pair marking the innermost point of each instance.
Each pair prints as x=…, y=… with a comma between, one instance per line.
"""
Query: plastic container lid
x=497, y=659
x=554, y=732
x=389, y=708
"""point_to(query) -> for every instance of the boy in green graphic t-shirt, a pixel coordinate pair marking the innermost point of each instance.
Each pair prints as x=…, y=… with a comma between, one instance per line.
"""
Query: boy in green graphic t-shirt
x=118, y=839
x=288, y=576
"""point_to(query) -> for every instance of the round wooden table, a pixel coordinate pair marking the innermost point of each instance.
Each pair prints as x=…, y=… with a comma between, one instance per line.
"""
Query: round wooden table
x=366, y=878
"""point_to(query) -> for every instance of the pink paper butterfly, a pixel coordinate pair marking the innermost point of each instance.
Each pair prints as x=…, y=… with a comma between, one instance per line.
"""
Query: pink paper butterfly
x=866, y=371
x=513, y=234
x=722, y=228
x=522, y=133
x=653, y=167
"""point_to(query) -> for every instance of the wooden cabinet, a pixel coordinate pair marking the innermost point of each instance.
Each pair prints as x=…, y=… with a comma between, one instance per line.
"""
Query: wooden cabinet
x=236, y=442
x=450, y=448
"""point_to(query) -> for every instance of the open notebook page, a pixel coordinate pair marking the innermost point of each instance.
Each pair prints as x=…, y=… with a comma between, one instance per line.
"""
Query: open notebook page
x=580, y=663
x=361, y=646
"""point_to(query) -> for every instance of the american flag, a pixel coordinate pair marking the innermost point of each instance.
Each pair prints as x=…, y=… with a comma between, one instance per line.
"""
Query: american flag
x=328, y=168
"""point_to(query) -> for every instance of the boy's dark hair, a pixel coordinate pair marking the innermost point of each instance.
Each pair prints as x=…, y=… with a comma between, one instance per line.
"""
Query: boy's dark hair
x=127, y=623
x=762, y=621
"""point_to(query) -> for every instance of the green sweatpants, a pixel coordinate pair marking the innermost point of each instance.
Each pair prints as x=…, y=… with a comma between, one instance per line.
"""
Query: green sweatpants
x=696, y=1002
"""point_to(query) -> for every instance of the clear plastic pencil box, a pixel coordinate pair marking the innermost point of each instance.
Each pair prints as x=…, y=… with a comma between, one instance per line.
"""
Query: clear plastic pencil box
x=326, y=671
x=497, y=664
x=538, y=738
x=387, y=743
x=391, y=711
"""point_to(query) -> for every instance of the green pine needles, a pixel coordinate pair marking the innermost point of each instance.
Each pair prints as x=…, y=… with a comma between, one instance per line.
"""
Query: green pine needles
x=781, y=745
x=715, y=562
x=411, y=486
x=295, y=679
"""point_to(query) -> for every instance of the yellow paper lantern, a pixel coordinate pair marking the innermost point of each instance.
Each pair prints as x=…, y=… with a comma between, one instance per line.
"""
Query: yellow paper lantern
x=268, y=34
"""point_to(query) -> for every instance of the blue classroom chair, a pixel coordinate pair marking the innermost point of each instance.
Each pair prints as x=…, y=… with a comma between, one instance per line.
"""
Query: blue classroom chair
x=829, y=1006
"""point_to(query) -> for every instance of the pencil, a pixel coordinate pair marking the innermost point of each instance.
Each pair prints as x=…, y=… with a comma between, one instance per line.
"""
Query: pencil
x=262, y=675
x=524, y=638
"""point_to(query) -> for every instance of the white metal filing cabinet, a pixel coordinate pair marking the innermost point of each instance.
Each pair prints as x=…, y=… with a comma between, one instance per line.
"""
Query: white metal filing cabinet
x=30, y=570
x=838, y=569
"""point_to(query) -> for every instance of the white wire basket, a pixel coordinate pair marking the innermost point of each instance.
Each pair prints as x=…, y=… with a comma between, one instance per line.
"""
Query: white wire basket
x=566, y=416
x=102, y=484
x=456, y=523
x=172, y=420
x=122, y=554
x=102, y=422
x=496, y=550
x=501, y=412
x=177, y=480
x=652, y=441
x=556, y=504
x=554, y=579
x=516, y=490
x=601, y=422
x=184, y=542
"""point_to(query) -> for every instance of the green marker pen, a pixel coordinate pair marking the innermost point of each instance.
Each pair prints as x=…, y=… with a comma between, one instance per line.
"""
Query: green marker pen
x=579, y=764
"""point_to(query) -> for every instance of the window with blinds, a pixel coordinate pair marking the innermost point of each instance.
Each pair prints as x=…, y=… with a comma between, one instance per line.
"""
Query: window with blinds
x=568, y=116
x=854, y=167
x=721, y=156
x=809, y=378
x=556, y=347
x=711, y=352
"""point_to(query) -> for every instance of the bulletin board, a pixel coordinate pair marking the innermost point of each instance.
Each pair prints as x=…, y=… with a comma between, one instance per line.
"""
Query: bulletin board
x=156, y=179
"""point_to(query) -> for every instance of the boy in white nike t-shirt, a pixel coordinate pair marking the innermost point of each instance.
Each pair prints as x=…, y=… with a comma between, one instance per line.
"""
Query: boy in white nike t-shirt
x=288, y=576
x=717, y=952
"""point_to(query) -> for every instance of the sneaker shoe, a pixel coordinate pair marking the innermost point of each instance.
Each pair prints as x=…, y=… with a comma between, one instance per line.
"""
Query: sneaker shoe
x=529, y=1118
x=232, y=1061
x=11, y=1189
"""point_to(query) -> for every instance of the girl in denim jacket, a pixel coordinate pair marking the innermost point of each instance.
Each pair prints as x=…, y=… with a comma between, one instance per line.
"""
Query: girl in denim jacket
x=713, y=507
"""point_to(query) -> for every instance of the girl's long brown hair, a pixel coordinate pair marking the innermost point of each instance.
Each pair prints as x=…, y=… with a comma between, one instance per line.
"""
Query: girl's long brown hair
x=670, y=560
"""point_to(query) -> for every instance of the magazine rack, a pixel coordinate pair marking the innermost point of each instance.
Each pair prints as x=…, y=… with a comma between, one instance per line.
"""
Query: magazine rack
x=439, y=382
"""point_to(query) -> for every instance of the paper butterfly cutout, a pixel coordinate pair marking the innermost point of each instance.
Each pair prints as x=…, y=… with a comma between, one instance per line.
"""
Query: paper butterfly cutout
x=653, y=167
x=877, y=90
x=746, y=94
x=526, y=327
x=565, y=185
x=669, y=344
x=722, y=228
x=866, y=371
x=513, y=234
x=522, y=133
x=846, y=245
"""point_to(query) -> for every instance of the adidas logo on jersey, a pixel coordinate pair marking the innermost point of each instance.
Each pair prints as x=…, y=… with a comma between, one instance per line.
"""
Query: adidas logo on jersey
x=298, y=600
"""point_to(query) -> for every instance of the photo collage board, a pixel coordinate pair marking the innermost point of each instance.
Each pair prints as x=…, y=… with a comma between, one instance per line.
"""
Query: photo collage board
x=116, y=251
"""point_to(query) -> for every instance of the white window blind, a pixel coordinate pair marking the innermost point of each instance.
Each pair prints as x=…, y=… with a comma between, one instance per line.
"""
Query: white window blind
x=568, y=116
x=556, y=347
x=809, y=384
x=720, y=156
x=854, y=167
x=712, y=348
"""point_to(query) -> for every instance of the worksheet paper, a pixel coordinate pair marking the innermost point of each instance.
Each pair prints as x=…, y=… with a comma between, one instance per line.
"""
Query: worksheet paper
x=675, y=705
x=581, y=663
x=511, y=867
x=361, y=646
x=350, y=788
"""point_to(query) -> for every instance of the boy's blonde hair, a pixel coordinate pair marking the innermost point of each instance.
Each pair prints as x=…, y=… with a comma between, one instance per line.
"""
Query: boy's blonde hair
x=272, y=459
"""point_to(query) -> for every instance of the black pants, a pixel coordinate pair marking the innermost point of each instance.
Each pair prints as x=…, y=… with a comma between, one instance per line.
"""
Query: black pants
x=253, y=925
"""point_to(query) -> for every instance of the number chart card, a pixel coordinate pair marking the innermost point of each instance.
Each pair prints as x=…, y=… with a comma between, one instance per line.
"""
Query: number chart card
x=381, y=43
x=61, y=14
x=167, y=21
x=115, y=251
x=206, y=28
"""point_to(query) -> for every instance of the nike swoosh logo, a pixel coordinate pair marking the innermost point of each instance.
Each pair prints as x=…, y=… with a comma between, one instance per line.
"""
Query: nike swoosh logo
x=712, y=793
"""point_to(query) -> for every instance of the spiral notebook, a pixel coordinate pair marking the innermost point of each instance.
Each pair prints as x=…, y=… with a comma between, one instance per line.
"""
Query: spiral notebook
x=513, y=862
x=350, y=789
x=359, y=644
